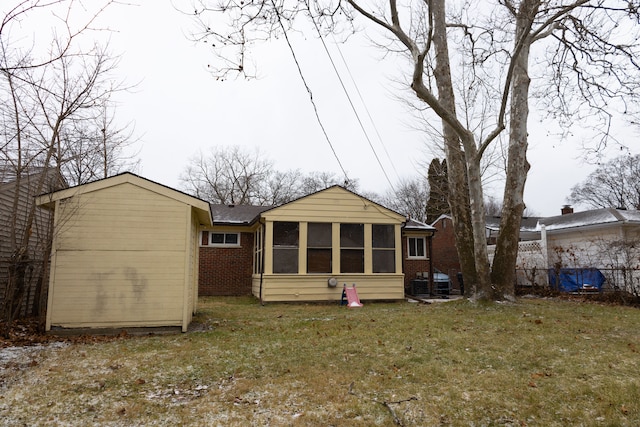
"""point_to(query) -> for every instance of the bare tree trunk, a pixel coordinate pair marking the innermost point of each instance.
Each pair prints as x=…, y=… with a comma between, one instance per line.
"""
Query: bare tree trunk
x=503, y=273
x=465, y=186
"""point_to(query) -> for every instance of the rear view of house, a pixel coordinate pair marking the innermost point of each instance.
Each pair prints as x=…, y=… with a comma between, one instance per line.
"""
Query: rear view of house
x=124, y=254
x=305, y=250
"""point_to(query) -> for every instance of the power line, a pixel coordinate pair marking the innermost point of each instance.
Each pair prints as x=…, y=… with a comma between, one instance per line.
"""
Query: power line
x=335, y=69
x=315, y=108
x=364, y=104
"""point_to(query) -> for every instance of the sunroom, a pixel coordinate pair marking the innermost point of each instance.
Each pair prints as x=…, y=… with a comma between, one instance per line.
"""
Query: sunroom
x=307, y=249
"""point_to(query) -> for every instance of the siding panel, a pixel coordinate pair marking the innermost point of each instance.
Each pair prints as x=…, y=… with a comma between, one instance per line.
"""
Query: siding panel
x=130, y=287
x=333, y=203
x=109, y=220
x=314, y=288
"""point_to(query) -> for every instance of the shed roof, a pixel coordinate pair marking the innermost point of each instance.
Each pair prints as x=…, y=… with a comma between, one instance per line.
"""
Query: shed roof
x=201, y=207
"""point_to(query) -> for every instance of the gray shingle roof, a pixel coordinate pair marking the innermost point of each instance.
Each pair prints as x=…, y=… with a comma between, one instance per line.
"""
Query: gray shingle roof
x=415, y=225
x=590, y=218
x=526, y=224
x=236, y=214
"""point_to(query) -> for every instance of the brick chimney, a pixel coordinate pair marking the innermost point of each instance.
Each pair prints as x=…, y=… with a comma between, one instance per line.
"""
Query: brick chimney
x=566, y=209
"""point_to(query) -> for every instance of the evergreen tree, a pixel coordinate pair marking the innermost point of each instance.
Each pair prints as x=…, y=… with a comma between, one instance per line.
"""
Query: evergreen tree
x=438, y=203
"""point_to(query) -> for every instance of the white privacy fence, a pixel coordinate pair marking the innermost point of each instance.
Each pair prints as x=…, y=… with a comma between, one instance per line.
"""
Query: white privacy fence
x=619, y=263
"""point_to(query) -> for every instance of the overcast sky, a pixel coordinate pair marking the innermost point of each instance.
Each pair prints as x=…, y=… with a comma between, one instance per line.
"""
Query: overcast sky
x=179, y=108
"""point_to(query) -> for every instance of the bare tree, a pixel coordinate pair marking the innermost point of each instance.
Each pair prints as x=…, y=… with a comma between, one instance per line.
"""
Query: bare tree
x=280, y=188
x=233, y=175
x=316, y=181
x=96, y=147
x=70, y=21
x=227, y=175
x=614, y=184
x=590, y=59
x=43, y=102
x=409, y=197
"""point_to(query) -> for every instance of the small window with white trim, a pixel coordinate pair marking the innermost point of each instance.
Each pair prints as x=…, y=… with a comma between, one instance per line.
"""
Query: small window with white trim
x=417, y=248
x=224, y=239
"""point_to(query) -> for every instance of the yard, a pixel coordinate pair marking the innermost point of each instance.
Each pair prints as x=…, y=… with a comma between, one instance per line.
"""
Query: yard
x=539, y=362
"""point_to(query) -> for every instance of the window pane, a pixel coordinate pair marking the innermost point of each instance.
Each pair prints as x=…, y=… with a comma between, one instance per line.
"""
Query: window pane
x=352, y=260
x=285, y=260
x=319, y=235
x=318, y=260
x=384, y=261
x=217, y=238
x=383, y=236
x=416, y=247
x=231, y=239
x=285, y=234
x=352, y=235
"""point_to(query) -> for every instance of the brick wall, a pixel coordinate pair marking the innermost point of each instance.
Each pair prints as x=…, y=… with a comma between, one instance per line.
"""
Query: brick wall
x=411, y=267
x=445, y=255
x=226, y=271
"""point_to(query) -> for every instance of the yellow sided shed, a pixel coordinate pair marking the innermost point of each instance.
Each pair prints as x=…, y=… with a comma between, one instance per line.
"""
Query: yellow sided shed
x=307, y=249
x=124, y=254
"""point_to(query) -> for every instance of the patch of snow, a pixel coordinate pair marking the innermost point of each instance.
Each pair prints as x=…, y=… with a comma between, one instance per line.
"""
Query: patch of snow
x=16, y=359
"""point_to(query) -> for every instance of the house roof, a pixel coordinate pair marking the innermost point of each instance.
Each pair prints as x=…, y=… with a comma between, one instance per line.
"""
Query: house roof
x=248, y=214
x=415, y=225
x=236, y=214
x=597, y=217
x=331, y=188
x=332, y=203
x=592, y=218
x=53, y=180
x=441, y=217
x=202, y=208
x=526, y=224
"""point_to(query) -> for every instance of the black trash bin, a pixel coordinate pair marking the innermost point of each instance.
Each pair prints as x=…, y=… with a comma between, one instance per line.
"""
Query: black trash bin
x=460, y=282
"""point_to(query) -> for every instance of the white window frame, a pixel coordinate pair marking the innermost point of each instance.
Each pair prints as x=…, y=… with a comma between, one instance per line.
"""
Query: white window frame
x=222, y=245
x=424, y=247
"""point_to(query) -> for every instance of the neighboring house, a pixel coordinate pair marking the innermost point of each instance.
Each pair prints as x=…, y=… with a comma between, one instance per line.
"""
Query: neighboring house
x=305, y=250
x=17, y=199
x=124, y=254
x=605, y=239
x=529, y=229
x=445, y=254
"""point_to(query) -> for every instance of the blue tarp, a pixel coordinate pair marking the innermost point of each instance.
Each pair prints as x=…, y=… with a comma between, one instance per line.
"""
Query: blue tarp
x=576, y=279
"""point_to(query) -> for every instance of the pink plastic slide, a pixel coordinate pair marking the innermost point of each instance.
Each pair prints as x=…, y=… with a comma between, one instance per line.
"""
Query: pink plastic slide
x=352, y=296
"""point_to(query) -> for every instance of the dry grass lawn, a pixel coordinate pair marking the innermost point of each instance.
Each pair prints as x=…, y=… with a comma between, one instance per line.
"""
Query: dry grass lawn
x=539, y=362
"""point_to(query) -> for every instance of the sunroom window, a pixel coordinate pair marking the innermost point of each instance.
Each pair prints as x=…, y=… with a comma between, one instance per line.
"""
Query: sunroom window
x=352, y=248
x=285, y=247
x=384, y=253
x=319, y=247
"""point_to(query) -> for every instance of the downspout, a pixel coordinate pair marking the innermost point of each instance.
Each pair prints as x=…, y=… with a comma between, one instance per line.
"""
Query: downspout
x=545, y=251
x=264, y=231
x=430, y=239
